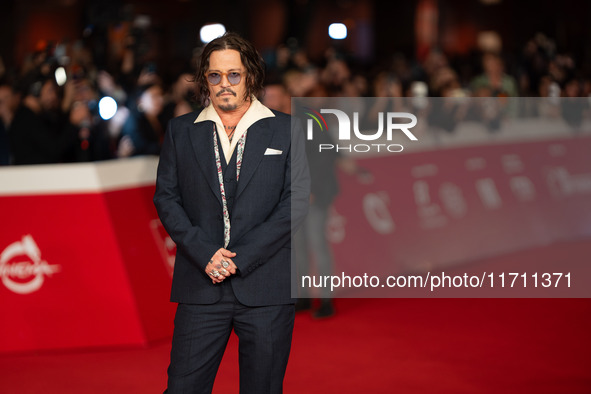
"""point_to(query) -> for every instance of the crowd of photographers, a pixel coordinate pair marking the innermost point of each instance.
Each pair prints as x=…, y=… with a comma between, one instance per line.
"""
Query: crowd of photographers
x=50, y=112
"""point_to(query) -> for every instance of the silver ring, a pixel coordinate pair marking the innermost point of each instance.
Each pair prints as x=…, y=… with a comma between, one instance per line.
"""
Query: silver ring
x=215, y=273
x=225, y=264
x=223, y=271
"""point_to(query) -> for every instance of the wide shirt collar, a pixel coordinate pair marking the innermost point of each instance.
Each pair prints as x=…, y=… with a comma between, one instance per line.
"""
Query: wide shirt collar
x=253, y=114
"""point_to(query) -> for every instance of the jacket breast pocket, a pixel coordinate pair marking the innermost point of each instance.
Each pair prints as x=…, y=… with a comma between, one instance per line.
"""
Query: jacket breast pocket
x=274, y=158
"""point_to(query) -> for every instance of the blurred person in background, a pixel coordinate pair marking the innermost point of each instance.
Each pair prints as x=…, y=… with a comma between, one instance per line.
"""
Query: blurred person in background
x=314, y=253
x=357, y=86
x=179, y=100
x=387, y=92
x=493, y=82
x=310, y=241
x=445, y=111
x=303, y=83
x=107, y=86
x=38, y=132
x=586, y=88
x=335, y=75
x=143, y=130
x=93, y=141
x=8, y=102
x=573, y=106
x=276, y=97
x=535, y=57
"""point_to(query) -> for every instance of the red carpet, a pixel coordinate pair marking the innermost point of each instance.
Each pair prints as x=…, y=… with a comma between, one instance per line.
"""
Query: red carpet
x=372, y=346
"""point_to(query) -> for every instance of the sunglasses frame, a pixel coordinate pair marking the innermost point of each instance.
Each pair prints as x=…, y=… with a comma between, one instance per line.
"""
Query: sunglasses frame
x=227, y=75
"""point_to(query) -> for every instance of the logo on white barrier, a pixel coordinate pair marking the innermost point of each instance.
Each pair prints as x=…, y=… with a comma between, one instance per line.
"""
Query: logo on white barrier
x=22, y=270
x=377, y=213
x=335, y=228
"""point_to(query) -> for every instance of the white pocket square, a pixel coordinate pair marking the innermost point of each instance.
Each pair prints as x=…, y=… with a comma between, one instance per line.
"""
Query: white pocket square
x=271, y=151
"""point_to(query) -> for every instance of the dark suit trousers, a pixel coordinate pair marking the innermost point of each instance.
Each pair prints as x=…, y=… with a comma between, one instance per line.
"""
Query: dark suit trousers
x=201, y=334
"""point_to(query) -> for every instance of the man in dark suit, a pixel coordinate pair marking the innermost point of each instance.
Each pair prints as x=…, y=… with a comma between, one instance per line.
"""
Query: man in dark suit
x=232, y=184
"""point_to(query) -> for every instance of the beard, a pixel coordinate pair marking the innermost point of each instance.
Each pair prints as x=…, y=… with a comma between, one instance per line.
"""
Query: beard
x=226, y=105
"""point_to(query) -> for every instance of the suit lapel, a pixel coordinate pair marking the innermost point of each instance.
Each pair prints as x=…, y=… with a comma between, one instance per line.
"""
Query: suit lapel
x=201, y=137
x=257, y=140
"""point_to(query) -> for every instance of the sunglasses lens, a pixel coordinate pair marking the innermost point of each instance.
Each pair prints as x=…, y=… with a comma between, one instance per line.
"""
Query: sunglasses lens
x=214, y=78
x=234, y=78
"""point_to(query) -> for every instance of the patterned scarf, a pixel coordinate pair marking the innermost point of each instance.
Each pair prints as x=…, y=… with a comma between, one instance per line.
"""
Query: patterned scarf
x=218, y=162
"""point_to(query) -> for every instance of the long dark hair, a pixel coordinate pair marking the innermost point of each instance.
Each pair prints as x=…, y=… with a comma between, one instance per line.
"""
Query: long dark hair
x=251, y=59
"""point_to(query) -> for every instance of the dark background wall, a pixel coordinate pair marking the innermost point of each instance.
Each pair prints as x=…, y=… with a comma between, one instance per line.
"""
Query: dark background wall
x=377, y=28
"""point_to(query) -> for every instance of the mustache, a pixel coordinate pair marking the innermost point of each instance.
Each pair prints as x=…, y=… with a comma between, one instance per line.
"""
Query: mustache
x=225, y=90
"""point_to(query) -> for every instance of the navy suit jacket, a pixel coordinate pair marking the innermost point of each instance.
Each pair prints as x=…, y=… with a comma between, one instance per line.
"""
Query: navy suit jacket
x=271, y=200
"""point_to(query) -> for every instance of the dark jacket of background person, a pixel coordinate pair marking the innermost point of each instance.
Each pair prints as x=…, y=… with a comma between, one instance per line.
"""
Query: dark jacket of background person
x=144, y=136
x=6, y=113
x=38, y=132
x=89, y=142
x=324, y=185
x=145, y=126
x=38, y=138
x=4, y=146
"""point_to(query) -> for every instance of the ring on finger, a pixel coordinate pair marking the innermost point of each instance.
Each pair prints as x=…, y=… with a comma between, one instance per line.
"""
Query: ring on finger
x=215, y=273
x=225, y=264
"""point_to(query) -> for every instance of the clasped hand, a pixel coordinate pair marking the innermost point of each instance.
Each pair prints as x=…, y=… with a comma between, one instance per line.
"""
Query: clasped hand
x=220, y=265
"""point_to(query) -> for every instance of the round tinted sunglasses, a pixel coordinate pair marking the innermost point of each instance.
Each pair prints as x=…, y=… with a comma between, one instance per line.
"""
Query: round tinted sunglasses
x=215, y=78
